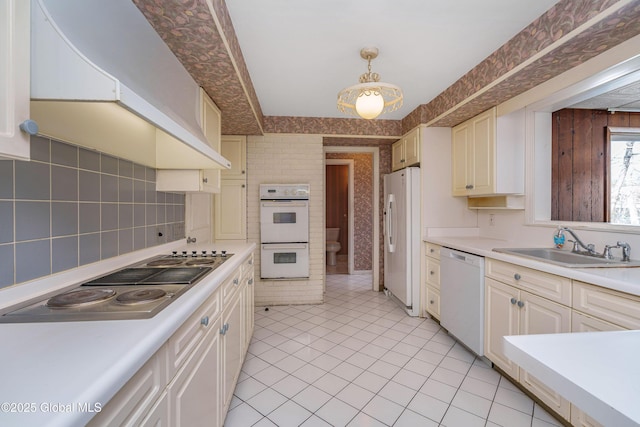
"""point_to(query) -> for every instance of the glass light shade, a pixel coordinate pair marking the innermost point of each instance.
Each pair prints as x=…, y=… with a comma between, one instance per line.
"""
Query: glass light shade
x=369, y=104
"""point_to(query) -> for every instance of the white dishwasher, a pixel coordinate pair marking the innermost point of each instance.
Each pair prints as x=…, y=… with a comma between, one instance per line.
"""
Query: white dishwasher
x=462, y=297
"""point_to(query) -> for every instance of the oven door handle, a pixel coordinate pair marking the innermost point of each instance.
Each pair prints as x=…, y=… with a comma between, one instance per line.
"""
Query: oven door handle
x=284, y=204
x=277, y=246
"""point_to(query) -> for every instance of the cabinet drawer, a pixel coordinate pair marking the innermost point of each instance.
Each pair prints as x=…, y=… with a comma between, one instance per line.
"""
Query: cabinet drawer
x=582, y=323
x=433, y=273
x=433, y=250
x=135, y=399
x=231, y=286
x=187, y=337
x=555, y=288
x=433, y=301
x=615, y=307
x=247, y=266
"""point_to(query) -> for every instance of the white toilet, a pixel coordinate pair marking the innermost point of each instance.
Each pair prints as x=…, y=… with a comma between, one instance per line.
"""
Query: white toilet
x=332, y=245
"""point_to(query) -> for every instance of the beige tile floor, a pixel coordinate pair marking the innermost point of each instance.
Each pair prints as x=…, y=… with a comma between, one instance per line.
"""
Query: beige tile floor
x=359, y=360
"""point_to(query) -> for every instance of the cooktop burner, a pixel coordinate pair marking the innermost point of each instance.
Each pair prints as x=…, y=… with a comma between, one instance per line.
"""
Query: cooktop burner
x=165, y=262
x=141, y=296
x=151, y=276
x=80, y=297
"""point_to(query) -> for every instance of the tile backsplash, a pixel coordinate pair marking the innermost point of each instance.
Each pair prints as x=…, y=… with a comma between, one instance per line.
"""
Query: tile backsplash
x=70, y=206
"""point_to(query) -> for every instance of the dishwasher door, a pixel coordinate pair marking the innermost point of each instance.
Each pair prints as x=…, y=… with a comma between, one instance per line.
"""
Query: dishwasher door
x=462, y=297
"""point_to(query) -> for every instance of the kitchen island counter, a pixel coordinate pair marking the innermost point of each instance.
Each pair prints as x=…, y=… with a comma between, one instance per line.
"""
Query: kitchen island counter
x=62, y=373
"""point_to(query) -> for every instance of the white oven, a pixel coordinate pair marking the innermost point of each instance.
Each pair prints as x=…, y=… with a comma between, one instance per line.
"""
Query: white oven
x=284, y=231
x=284, y=221
x=284, y=260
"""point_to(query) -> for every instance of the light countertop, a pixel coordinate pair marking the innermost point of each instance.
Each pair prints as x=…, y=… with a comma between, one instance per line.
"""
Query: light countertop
x=619, y=279
x=597, y=371
x=52, y=366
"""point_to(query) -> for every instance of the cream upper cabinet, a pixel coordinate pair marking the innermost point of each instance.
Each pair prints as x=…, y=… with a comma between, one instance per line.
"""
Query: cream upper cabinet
x=230, y=205
x=488, y=155
x=406, y=151
x=194, y=180
x=14, y=78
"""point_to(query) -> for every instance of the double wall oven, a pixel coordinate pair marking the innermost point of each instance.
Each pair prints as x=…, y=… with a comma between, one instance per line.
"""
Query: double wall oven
x=284, y=231
x=139, y=291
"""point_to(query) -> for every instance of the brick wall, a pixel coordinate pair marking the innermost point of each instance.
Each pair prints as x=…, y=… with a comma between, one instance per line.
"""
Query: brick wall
x=288, y=159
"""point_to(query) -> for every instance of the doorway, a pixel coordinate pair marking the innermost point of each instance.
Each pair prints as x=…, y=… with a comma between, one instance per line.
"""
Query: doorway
x=339, y=178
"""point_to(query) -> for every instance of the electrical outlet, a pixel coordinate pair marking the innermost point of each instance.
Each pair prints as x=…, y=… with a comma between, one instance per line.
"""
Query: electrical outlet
x=492, y=220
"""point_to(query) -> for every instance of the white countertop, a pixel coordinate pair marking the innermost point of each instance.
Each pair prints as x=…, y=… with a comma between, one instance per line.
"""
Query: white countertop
x=597, y=371
x=53, y=366
x=620, y=279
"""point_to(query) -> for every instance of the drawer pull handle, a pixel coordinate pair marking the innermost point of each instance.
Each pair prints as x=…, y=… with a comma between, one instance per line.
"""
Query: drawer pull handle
x=431, y=302
x=513, y=300
x=432, y=250
x=205, y=321
x=520, y=304
x=224, y=329
x=432, y=272
x=250, y=282
x=468, y=187
x=517, y=276
x=236, y=281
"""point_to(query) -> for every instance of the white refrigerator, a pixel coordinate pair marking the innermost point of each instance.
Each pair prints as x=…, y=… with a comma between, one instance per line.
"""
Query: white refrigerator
x=402, y=238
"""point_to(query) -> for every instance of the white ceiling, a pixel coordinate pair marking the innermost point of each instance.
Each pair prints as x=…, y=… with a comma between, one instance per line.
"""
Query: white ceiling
x=301, y=53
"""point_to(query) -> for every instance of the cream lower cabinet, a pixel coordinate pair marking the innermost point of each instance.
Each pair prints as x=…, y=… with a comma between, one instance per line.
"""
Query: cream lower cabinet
x=194, y=392
x=511, y=311
x=191, y=379
x=431, y=301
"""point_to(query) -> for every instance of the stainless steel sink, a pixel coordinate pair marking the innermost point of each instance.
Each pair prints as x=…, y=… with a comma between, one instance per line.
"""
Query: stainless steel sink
x=566, y=258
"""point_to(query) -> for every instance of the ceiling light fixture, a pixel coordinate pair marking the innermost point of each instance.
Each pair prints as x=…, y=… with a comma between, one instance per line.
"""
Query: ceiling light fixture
x=371, y=97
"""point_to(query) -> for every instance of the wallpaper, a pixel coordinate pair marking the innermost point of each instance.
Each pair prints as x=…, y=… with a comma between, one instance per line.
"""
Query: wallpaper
x=196, y=31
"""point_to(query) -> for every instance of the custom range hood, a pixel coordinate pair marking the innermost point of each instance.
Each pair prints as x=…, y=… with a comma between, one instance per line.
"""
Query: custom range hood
x=102, y=78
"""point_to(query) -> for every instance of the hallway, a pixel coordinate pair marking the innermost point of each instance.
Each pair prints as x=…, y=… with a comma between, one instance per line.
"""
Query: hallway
x=359, y=360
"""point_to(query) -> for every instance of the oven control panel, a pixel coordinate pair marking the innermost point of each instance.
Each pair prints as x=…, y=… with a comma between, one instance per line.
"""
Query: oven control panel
x=284, y=191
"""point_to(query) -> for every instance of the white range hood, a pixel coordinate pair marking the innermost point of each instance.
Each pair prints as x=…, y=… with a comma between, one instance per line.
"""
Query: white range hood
x=102, y=78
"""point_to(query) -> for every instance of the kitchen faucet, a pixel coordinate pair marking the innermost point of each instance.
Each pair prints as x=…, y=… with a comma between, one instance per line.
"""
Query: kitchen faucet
x=577, y=243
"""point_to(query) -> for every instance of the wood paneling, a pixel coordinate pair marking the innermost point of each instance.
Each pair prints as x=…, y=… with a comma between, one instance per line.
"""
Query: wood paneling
x=579, y=163
x=337, y=204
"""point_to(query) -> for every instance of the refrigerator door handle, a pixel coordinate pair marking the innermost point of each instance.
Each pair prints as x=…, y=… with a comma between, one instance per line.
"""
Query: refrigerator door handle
x=390, y=222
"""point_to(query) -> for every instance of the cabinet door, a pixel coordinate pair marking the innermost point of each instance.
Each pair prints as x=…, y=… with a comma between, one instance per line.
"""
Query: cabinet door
x=194, y=394
x=501, y=319
x=230, y=215
x=158, y=416
x=249, y=301
x=484, y=137
x=397, y=155
x=15, y=81
x=232, y=348
x=433, y=302
x=541, y=316
x=234, y=149
x=412, y=147
x=461, y=160
x=210, y=120
x=198, y=216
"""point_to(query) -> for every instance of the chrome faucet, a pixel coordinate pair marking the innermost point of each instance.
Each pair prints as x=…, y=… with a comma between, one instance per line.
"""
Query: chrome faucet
x=626, y=251
x=589, y=249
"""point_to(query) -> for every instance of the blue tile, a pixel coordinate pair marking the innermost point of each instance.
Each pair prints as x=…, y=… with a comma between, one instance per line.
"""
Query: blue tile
x=139, y=215
x=32, y=181
x=40, y=149
x=161, y=197
x=139, y=171
x=64, y=154
x=64, y=253
x=125, y=168
x=125, y=190
x=151, y=215
x=6, y=265
x=88, y=186
x=125, y=215
x=125, y=241
x=32, y=220
x=64, y=218
x=64, y=183
x=89, y=218
x=152, y=236
x=6, y=221
x=33, y=260
x=109, y=216
x=89, y=160
x=108, y=244
x=108, y=188
x=139, y=238
x=161, y=214
x=89, y=248
x=139, y=191
x=151, y=175
x=151, y=192
x=108, y=164
x=170, y=213
x=6, y=179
